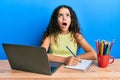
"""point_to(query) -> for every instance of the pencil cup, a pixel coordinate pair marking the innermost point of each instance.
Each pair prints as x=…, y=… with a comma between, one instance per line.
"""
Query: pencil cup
x=105, y=60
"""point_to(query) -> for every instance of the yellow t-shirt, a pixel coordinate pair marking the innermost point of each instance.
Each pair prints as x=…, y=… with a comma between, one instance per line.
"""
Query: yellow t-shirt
x=60, y=49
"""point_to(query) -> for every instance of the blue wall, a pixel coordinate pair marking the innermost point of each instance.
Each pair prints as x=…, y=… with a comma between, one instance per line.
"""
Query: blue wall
x=24, y=21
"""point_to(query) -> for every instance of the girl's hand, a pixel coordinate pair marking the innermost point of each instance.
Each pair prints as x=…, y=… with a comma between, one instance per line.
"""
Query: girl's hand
x=72, y=60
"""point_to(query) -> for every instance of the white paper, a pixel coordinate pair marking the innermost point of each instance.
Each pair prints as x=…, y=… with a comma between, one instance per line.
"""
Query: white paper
x=83, y=65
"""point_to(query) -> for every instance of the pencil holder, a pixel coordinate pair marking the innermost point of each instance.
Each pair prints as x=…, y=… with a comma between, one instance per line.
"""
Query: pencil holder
x=104, y=60
x=103, y=53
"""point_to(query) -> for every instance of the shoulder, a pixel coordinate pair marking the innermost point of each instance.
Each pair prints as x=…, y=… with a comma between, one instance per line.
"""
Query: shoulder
x=78, y=37
x=50, y=38
x=47, y=39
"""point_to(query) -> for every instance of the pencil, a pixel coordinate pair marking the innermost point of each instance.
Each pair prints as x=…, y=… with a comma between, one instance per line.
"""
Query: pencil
x=70, y=51
x=102, y=47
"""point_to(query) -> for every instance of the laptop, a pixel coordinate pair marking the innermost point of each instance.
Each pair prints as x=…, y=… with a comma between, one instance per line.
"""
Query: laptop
x=29, y=58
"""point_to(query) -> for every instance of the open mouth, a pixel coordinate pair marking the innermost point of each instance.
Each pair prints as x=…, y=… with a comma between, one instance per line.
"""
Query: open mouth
x=64, y=24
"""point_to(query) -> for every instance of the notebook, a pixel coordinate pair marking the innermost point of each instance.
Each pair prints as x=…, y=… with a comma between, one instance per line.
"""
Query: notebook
x=29, y=58
x=84, y=65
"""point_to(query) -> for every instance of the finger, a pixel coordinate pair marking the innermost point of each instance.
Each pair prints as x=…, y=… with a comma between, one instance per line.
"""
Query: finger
x=74, y=63
x=77, y=59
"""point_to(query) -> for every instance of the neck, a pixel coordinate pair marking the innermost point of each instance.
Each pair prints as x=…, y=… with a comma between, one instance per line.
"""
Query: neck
x=64, y=32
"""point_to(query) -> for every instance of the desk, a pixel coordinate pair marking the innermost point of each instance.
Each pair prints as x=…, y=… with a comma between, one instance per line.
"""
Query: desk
x=112, y=72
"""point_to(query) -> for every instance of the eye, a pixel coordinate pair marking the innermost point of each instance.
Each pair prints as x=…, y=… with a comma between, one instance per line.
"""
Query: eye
x=68, y=15
x=59, y=15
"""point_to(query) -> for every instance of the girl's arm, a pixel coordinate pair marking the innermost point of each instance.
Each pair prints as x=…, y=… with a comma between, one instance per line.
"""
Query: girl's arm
x=89, y=51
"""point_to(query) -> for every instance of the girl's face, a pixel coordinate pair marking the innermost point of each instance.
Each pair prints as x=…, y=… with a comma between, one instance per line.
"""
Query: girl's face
x=64, y=20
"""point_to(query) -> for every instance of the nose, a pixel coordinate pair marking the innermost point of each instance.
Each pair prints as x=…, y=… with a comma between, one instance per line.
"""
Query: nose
x=64, y=17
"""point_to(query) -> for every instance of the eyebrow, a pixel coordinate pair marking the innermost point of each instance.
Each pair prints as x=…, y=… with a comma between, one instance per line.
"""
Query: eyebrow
x=65, y=13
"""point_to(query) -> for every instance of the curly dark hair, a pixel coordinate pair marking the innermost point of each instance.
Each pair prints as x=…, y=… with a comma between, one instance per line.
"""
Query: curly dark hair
x=53, y=27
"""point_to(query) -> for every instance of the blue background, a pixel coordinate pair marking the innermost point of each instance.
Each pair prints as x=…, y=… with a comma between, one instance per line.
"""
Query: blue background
x=24, y=21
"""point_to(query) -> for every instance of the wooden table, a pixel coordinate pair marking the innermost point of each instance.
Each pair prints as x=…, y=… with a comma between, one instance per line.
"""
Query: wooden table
x=112, y=72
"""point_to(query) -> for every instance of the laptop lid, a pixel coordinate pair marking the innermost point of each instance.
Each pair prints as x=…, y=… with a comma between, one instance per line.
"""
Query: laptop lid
x=28, y=58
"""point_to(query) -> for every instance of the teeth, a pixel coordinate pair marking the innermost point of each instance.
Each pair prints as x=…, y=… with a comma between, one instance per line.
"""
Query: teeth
x=64, y=24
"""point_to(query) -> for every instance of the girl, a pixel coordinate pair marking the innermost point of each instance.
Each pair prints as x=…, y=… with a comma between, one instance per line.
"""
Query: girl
x=63, y=30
